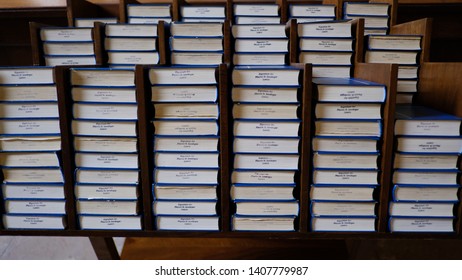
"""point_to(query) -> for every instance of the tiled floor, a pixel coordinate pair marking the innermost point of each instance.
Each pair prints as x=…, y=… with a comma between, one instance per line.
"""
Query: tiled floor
x=49, y=248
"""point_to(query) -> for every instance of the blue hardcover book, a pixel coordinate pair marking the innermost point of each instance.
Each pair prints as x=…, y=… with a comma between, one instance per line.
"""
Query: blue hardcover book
x=336, y=208
x=363, y=193
x=184, y=192
x=185, y=143
x=422, y=193
x=28, y=75
x=348, y=128
x=187, y=223
x=368, y=8
x=267, y=207
x=348, y=90
x=184, y=176
x=183, y=75
x=311, y=10
x=346, y=160
x=34, y=221
x=109, y=222
x=181, y=207
x=394, y=42
x=421, y=224
x=263, y=223
x=343, y=224
x=200, y=127
x=186, y=159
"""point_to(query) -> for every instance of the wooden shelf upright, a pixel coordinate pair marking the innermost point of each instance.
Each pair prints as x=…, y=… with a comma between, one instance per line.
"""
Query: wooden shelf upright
x=87, y=9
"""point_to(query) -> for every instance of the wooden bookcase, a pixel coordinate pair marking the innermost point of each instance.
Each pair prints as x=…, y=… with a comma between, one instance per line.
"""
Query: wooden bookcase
x=87, y=9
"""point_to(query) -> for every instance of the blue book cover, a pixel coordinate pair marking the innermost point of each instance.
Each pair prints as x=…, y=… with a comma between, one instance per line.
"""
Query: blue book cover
x=427, y=196
x=262, y=218
x=415, y=112
x=424, y=224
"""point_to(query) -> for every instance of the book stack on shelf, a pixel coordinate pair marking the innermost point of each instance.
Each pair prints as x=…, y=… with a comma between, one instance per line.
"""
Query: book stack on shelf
x=400, y=49
x=348, y=124
x=106, y=151
x=266, y=146
x=30, y=144
x=148, y=13
x=186, y=156
x=90, y=22
x=256, y=13
x=196, y=43
x=68, y=46
x=329, y=46
x=376, y=16
x=127, y=45
x=426, y=175
x=311, y=12
x=202, y=13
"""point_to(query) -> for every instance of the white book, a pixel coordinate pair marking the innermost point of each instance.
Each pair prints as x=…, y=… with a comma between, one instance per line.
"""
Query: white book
x=196, y=44
x=104, y=95
x=186, y=176
x=35, y=206
x=197, y=58
x=324, y=71
x=186, y=160
x=425, y=193
x=264, y=95
x=372, y=21
x=348, y=128
x=266, y=162
x=421, y=224
x=311, y=19
x=95, y=222
x=428, y=127
x=342, y=193
x=149, y=10
x=190, y=144
x=130, y=44
x=105, y=111
x=345, y=177
x=148, y=20
x=256, y=9
x=107, y=207
x=348, y=111
x=70, y=60
x=34, y=222
x=30, y=127
x=333, y=29
x=265, y=76
x=342, y=161
x=30, y=143
x=424, y=177
x=182, y=76
x=215, y=20
x=425, y=161
x=187, y=223
x=267, y=128
x=429, y=145
x=106, y=176
x=203, y=11
x=259, y=31
x=344, y=145
x=265, y=111
x=102, y=77
x=131, y=30
x=421, y=209
x=186, y=208
x=407, y=86
x=32, y=191
x=365, y=8
x=262, y=192
x=197, y=29
x=326, y=44
x=342, y=208
x=131, y=57
x=24, y=159
x=266, y=145
x=32, y=175
x=408, y=72
x=266, y=59
x=240, y=223
x=348, y=224
x=186, y=128
x=106, y=160
x=399, y=57
x=261, y=45
x=186, y=110
x=191, y=93
x=104, y=128
x=109, y=192
x=353, y=91
x=66, y=34
x=89, y=22
x=375, y=31
x=105, y=144
x=26, y=75
x=257, y=20
x=29, y=110
x=35, y=93
x=66, y=48
x=267, y=208
x=263, y=177
x=192, y=192
x=306, y=10
x=397, y=42
x=326, y=58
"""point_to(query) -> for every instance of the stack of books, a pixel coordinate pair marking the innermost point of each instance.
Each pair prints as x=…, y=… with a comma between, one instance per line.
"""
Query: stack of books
x=202, y=13
x=149, y=13
x=376, y=16
x=403, y=50
x=30, y=144
x=106, y=150
x=129, y=44
x=266, y=146
x=426, y=170
x=90, y=22
x=260, y=44
x=348, y=130
x=196, y=43
x=311, y=12
x=68, y=45
x=329, y=46
x=186, y=155
x=256, y=13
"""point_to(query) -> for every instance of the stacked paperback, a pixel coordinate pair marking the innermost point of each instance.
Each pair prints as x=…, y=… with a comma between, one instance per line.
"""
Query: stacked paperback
x=266, y=148
x=202, y=13
x=348, y=130
x=30, y=144
x=426, y=170
x=256, y=14
x=68, y=46
x=311, y=12
x=148, y=13
x=376, y=16
x=106, y=150
x=127, y=45
x=186, y=141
